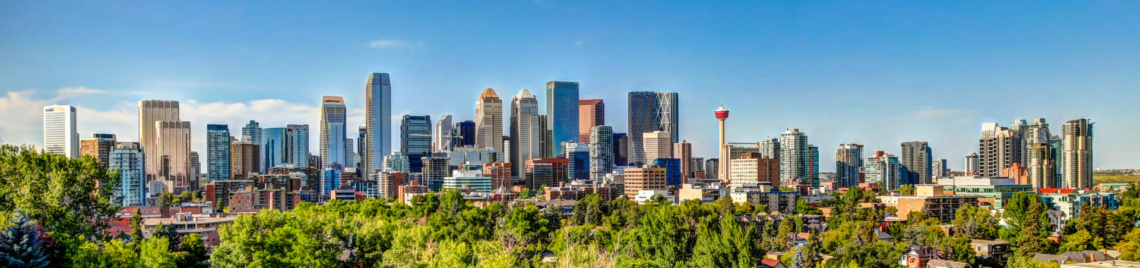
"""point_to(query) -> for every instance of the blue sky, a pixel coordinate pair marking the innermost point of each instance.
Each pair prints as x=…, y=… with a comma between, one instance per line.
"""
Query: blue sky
x=876, y=73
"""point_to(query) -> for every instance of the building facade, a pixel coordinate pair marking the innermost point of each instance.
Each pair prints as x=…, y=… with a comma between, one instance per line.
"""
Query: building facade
x=998, y=149
x=377, y=121
x=561, y=114
x=644, y=178
x=916, y=157
x=683, y=151
x=150, y=112
x=601, y=152
x=218, y=151
x=591, y=113
x=657, y=144
x=333, y=134
x=489, y=121
x=98, y=146
x=794, y=156
x=129, y=162
x=60, y=134
x=415, y=139
x=526, y=131
x=848, y=161
x=752, y=169
x=1077, y=168
x=649, y=112
x=245, y=160
x=173, y=142
x=578, y=155
x=297, y=145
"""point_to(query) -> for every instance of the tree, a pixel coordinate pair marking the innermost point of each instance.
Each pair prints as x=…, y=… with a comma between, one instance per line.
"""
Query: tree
x=800, y=260
x=1031, y=239
x=958, y=249
x=23, y=244
x=906, y=190
x=69, y=197
x=1079, y=241
x=1130, y=247
x=156, y=253
x=975, y=222
x=195, y=251
x=136, y=230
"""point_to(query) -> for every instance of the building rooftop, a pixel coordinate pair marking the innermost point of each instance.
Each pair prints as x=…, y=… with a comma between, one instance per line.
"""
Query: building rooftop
x=976, y=181
x=1104, y=264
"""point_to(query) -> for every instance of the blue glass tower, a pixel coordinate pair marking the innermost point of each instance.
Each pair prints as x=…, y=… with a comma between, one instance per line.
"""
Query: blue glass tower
x=465, y=133
x=415, y=140
x=333, y=133
x=561, y=114
x=578, y=167
x=272, y=148
x=132, y=175
x=649, y=112
x=296, y=145
x=378, y=121
x=330, y=180
x=672, y=170
x=218, y=151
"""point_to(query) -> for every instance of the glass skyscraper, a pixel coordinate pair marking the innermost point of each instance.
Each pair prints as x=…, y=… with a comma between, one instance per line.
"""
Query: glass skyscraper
x=333, y=133
x=561, y=114
x=218, y=151
x=601, y=152
x=297, y=145
x=415, y=139
x=649, y=112
x=272, y=148
x=465, y=133
x=378, y=121
x=128, y=160
x=578, y=167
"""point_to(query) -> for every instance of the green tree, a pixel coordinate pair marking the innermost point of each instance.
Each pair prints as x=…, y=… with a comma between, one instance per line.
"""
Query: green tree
x=975, y=222
x=906, y=190
x=23, y=244
x=156, y=253
x=958, y=249
x=69, y=197
x=195, y=251
x=1031, y=239
x=136, y=230
x=1130, y=247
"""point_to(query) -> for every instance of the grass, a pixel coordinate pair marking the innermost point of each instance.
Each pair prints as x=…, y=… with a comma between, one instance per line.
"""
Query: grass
x=1115, y=178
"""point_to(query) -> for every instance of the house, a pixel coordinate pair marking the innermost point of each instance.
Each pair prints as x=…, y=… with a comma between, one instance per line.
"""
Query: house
x=1075, y=257
x=1102, y=264
x=996, y=249
x=917, y=256
x=770, y=263
x=946, y=264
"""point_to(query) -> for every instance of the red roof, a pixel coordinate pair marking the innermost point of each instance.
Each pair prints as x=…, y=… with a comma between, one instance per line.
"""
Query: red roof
x=1057, y=191
x=770, y=262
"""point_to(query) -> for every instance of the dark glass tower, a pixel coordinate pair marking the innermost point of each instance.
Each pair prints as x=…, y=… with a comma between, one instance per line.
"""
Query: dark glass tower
x=415, y=140
x=562, y=114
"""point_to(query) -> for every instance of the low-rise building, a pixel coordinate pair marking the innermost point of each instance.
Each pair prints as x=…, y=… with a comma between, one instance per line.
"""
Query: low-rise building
x=765, y=194
x=992, y=249
x=644, y=196
x=1070, y=201
x=997, y=189
x=932, y=200
x=706, y=192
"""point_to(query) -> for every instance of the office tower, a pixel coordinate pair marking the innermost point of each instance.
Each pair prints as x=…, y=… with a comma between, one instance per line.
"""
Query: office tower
x=333, y=133
x=697, y=166
x=60, y=135
x=658, y=144
x=971, y=167
x=543, y=172
x=621, y=149
x=591, y=113
x=544, y=140
x=218, y=152
x=1019, y=129
x=173, y=141
x=489, y=121
x=129, y=162
x=769, y=147
x=253, y=130
x=397, y=162
x=601, y=152
x=441, y=137
x=98, y=146
x=415, y=139
x=998, y=149
x=561, y=114
x=526, y=131
x=644, y=178
x=578, y=155
x=813, y=165
x=684, y=151
x=1041, y=165
x=721, y=116
x=361, y=146
x=434, y=170
x=712, y=169
x=465, y=133
x=1037, y=132
x=500, y=174
x=848, y=161
x=1077, y=170
x=794, y=156
x=916, y=158
x=195, y=166
x=752, y=168
x=350, y=153
x=884, y=169
x=273, y=148
x=378, y=121
x=648, y=112
x=151, y=111
x=330, y=180
x=1058, y=156
x=938, y=168
x=245, y=158
x=672, y=168
x=297, y=145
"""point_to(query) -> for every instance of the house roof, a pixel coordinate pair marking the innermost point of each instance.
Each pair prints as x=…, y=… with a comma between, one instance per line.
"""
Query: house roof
x=989, y=242
x=770, y=262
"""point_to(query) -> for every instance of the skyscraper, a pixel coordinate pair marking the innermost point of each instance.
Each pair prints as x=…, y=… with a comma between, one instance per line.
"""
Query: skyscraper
x=489, y=121
x=848, y=161
x=245, y=159
x=712, y=168
x=378, y=120
x=173, y=142
x=128, y=160
x=98, y=146
x=218, y=152
x=60, y=135
x=591, y=113
x=601, y=152
x=297, y=145
x=253, y=130
x=465, y=133
x=884, y=168
x=333, y=133
x=397, y=162
x=441, y=137
x=658, y=144
x=1077, y=170
x=813, y=165
x=273, y=143
x=648, y=112
x=578, y=167
x=917, y=160
x=971, y=166
x=938, y=168
x=752, y=168
x=195, y=166
x=415, y=139
x=526, y=131
x=151, y=111
x=999, y=148
x=562, y=113
x=794, y=156
x=683, y=151
x=769, y=147
x=1041, y=165
x=350, y=153
x=621, y=149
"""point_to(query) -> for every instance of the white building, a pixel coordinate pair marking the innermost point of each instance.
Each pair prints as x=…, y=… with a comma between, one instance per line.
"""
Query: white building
x=60, y=136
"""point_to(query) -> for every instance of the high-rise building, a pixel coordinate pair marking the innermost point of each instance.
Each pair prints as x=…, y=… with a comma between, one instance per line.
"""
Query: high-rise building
x=848, y=161
x=721, y=116
x=397, y=162
x=1037, y=132
x=245, y=159
x=500, y=174
x=753, y=168
x=697, y=164
x=253, y=130
x=578, y=155
x=1041, y=165
x=273, y=143
x=998, y=149
x=435, y=169
x=441, y=136
x=489, y=121
x=591, y=113
x=60, y=134
x=601, y=152
x=173, y=142
x=218, y=152
x=885, y=169
x=526, y=132
x=1019, y=129
x=151, y=111
x=195, y=166
x=415, y=139
x=465, y=133
x=129, y=162
x=712, y=168
x=297, y=145
x=561, y=114
x=971, y=166
x=917, y=160
x=361, y=146
x=1077, y=170
x=769, y=147
x=794, y=156
x=333, y=133
x=657, y=144
x=378, y=121
x=813, y=165
x=98, y=146
x=621, y=149
x=1058, y=156
x=542, y=172
x=938, y=169
x=648, y=112
x=350, y=153
x=683, y=151
x=672, y=168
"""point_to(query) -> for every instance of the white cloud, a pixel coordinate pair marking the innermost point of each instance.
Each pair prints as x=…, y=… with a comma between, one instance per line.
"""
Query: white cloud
x=394, y=44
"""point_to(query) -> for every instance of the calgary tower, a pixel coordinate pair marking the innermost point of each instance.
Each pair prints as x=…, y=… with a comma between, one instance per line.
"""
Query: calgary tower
x=721, y=115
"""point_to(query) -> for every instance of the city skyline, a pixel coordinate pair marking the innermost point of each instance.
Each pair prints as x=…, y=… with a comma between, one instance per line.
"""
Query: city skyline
x=886, y=104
